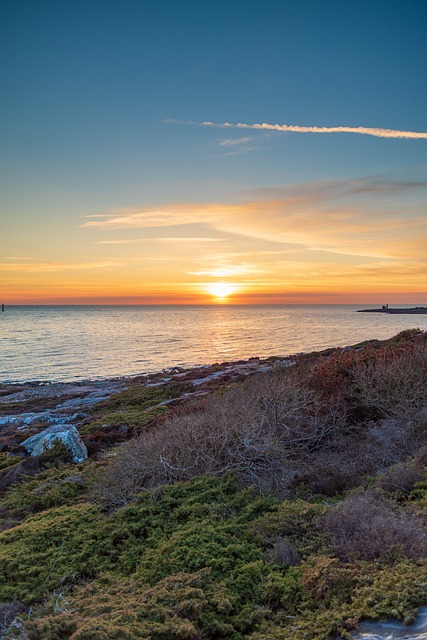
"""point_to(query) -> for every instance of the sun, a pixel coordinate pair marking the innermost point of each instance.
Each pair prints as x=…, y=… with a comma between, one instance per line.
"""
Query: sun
x=221, y=289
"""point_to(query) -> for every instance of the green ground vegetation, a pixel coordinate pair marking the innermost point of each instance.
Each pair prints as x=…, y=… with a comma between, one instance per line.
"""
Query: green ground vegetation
x=65, y=484
x=303, y=552
x=7, y=460
x=134, y=407
x=202, y=559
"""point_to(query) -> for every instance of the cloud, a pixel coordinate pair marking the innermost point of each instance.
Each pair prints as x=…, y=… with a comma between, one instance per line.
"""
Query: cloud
x=354, y=221
x=367, y=131
x=173, y=216
x=137, y=219
x=17, y=258
x=232, y=142
x=333, y=189
x=160, y=240
x=236, y=146
x=228, y=270
x=56, y=266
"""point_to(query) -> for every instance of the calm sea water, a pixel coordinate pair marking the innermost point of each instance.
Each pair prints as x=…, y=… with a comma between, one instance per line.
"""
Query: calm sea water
x=83, y=342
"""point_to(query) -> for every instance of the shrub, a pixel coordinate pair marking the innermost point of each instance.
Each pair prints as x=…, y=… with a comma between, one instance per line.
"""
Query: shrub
x=394, y=591
x=339, y=466
x=54, y=487
x=8, y=612
x=283, y=552
x=173, y=609
x=364, y=526
x=188, y=560
x=257, y=431
x=7, y=460
x=50, y=549
x=27, y=467
x=394, y=383
x=298, y=522
x=400, y=479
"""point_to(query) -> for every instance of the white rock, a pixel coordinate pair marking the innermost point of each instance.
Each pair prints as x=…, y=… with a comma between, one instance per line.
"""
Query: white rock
x=65, y=433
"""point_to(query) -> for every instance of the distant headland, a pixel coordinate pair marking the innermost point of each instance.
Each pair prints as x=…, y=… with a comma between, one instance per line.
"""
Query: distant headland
x=386, y=309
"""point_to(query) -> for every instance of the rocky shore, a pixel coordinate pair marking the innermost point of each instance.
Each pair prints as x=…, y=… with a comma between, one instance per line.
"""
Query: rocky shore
x=38, y=412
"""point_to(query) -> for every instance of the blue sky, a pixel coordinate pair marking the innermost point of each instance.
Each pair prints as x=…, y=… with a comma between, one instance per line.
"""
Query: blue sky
x=90, y=90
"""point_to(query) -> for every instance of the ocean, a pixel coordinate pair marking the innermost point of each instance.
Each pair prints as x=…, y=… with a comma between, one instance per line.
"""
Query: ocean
x=59, y=343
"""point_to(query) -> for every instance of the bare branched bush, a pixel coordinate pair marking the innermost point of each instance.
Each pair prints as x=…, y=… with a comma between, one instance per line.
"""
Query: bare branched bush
x=399, y=479
x=295, y=413
x=8, y=613
x=394, y=384
x=397, y=438
x=421, y=457
x=283, y=552
x=289, y=425
x=365, y=527
x=339, y=466
x=257, y=431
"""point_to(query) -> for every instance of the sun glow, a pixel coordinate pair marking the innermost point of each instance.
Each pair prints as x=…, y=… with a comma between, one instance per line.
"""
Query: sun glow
x=221, y=290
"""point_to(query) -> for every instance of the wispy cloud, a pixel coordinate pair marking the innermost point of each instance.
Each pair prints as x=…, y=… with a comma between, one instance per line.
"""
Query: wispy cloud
x=228, y=270
x=55, y=266
x=337, y=189
x=173, y=216
x=179, y=240
x=367, y=131
x=138, y=219
x=17, y=258
x=232, y=142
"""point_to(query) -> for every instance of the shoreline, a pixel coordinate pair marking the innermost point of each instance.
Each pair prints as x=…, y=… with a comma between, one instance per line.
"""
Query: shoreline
x=79, y=347
x=99, y=389
x=254, y=363
x=30, y=406
x=27, y=409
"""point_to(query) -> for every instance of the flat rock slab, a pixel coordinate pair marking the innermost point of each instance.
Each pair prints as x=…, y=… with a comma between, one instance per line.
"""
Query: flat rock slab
x=391, y=629
x=59, y=390
x=65, y=433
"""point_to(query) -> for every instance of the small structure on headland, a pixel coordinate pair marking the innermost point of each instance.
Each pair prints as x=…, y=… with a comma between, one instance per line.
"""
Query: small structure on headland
x=386, y=309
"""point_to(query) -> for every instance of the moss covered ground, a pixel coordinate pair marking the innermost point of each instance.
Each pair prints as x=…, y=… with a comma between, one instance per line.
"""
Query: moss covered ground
x=194, y=560
x=212, y=557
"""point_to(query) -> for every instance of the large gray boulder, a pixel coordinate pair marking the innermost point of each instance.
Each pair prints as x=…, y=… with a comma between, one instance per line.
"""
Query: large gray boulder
x=65, y=433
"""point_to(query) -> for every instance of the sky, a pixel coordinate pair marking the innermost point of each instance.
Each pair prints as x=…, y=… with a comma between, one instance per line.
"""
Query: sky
x=198, y=152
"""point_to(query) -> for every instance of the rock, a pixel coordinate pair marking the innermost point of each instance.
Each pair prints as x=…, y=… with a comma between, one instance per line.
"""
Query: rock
x=389, y=629
x=65, y=433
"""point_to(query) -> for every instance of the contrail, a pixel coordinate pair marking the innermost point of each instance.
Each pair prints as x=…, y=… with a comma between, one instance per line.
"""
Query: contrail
x=367, y=131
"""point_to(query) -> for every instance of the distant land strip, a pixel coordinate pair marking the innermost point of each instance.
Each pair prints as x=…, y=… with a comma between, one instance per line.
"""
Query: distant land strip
x=385, y=309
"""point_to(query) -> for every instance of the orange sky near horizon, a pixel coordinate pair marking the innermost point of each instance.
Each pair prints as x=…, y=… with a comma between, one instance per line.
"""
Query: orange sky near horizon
x=322, y=242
